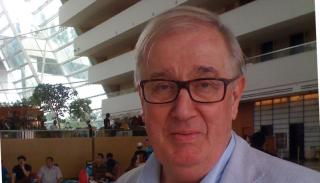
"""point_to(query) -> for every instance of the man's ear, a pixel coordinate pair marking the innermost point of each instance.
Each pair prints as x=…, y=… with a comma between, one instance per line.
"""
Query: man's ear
x=238, y=89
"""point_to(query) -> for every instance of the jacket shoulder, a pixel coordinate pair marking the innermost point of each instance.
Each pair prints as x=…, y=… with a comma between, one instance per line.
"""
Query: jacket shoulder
x=131, y=176
x=256, y=166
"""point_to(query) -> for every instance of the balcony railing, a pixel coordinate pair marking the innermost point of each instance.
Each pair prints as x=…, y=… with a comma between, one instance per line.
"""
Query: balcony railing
x=122, y=92
x=32, y=134
x=283, y=52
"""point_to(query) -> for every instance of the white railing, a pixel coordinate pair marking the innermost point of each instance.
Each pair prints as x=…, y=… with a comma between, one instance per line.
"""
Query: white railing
x=283, y=52
x=33, y=134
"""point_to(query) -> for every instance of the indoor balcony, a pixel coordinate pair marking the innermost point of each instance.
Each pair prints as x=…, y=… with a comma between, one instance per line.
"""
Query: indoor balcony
x=119, y=34
x=85, y=15
x=281, y=72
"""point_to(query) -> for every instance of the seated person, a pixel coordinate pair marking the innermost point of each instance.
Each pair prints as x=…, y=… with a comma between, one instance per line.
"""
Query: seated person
x=113, y=168
x=99, y=168
x=5, y=175
x=50, y=173
x=21, y=172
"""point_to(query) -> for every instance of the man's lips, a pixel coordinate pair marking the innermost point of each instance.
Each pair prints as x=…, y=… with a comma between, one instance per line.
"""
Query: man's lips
x=185, y=136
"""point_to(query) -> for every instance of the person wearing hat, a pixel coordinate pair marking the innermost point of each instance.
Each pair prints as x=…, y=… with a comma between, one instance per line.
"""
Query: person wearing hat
x=140, y=153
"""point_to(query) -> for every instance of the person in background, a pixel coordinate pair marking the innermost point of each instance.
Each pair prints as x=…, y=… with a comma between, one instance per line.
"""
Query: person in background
x=113, y=168
x=21, y=172
x=5, y=173
x=99, y=168
x=148, y=148
x=106, y=122
x=90, y=128
x=258, y=140
x=86, y=173
x=54, y=126
x=50, y=173
x=140, y=150
x=136, y=161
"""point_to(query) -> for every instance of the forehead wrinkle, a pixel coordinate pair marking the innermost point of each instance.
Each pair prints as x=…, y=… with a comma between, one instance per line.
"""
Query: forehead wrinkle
x=161, y=74
x=205, y=70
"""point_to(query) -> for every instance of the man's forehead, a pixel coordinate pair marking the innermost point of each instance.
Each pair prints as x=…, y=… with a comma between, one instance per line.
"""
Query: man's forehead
x=196, y=70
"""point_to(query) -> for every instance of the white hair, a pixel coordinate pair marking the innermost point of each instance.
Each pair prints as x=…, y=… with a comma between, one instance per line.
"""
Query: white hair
x=185, y=16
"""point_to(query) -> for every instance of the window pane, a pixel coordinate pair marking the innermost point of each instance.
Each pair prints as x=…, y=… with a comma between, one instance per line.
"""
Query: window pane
x=3, y=22
x=47, y=12
x=15, y=75
x=76, y=65
x=83, y=76
x=8, y=32
x=65, y=54
x=18, y=84
x=11, y=48
x=48, y=32
x=30, y=43
x=31, y=82
x=62, y=38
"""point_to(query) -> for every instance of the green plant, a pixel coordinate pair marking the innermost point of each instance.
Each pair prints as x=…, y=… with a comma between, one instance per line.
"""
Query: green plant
x=80, y=109
x=53, y=98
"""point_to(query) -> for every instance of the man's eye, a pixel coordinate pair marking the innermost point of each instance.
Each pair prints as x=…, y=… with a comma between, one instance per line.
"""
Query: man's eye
x=207, y=85
x=204, y=84
x=160, y=87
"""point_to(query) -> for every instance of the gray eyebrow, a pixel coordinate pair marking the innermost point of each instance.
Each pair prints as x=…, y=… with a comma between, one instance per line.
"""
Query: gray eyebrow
x=159, y=74
x=198, y=70
x=206, y=69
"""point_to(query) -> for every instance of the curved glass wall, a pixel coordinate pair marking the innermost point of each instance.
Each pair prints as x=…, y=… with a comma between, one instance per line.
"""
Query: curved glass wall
x=35, y=49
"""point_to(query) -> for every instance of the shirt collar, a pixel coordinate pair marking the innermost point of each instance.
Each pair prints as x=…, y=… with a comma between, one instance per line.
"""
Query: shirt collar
x=152, y=168
x=216, y=172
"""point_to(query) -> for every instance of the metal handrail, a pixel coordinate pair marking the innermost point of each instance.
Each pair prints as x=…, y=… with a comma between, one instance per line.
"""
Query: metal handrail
x=311, y=43
x=32, y=134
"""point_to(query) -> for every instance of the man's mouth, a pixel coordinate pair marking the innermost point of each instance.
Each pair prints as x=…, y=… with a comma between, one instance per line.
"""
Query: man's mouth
x=185, y=136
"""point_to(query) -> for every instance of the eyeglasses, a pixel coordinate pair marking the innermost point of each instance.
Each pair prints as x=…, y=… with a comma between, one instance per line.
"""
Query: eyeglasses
x=202, y=90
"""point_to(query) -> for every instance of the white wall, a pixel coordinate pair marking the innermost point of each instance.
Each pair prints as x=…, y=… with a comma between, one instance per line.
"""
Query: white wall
x=121, y=103
x=290, y=72
x=71, y=8
x=113, y=67
x=135, y=15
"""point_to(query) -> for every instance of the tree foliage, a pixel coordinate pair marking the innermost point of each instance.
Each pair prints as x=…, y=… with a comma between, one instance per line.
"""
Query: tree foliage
x=80, y=109
x=53, y=98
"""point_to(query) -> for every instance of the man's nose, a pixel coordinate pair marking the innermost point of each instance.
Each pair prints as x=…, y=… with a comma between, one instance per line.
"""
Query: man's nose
x=183, y=108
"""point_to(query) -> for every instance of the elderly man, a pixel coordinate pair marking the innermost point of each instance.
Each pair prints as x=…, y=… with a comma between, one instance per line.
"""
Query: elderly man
x=50, y=173
x=190, y=81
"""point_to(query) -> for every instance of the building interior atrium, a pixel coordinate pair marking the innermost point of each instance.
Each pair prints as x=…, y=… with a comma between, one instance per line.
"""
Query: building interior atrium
x=35, y=49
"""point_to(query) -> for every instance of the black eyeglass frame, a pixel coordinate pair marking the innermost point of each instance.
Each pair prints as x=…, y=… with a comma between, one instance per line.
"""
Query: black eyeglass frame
x=185, y=85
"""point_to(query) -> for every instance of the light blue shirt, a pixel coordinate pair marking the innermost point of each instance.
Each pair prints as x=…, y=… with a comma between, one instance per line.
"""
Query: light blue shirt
x=151, y=170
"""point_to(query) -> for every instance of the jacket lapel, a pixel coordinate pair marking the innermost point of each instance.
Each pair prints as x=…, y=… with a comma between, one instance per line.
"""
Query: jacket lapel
x=243, y=166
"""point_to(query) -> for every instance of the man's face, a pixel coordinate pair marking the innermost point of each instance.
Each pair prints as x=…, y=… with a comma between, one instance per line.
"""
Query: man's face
x=49, y=162
x=99, y=159
x=184, y=132
x=21, y=161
